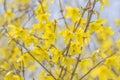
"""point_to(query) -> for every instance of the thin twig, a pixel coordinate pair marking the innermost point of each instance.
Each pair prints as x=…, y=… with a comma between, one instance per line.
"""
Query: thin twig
x=22, y=46
x=28, y=20
x=64, y=74
x=96, y=66
x=84, y=10
x=41, y=6
x=4, y=4
x=22, y=64
x=66, y=49
x=88, y=22
x=61, y=10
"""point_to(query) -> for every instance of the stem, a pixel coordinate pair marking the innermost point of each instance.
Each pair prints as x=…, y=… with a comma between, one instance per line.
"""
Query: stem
x=36, y=60
x=77, y=25
x=4, y=4
x=96, y=66
x=41, y=6
x=22, y=46
x=61, y=10
x=67, y=51
x=87, y=25
x=22, y=65
x=61, y=72
x=78, y=60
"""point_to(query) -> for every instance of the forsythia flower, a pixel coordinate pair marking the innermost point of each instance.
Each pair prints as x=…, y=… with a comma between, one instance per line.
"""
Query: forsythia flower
x=97, y=26
x=106, y=44
x=43, y=17
x=103, y=73
x=105, y=33
x=67, y=34
x=85, y=65
x=43, y=76
x=73, y=13
x=113, y=61
x=57, y=54
x=17, y=31
x=74, y=48
x=9, y=15
x=79, y=35
x=117, y=21
x=26, y=58
x=67, y=62
x=104, y=3
x=5, y=66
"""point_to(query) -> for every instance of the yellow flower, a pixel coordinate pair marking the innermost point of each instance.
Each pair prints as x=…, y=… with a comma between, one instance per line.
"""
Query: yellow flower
x=85, y=65
x=103, y=73
x=32, y=67
x=26, y=58
x=40, y=53
x=73, y=13
x=38, y=11
x=113, y=61
x=104, y=3
x=17, y=31
x=97, y=26
x=44, y=76
x=38, y=28
x=80, y=35
x=101, y=21
x=67, y=62
x=107, y=44
x=117, y=22
x=5, y=66
x=9, y=15
x=43, y=17
x=31, y=40
x=75, y=48
x=103, y=55
x=57, y=54
x=16, y=51
x=67, y=34
x=105, y=33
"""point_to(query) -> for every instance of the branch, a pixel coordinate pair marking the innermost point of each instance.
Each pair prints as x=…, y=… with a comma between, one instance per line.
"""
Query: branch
x=61, y=10
x=41, y=6
x=22, y=46
x=88, y=22
x=67, y=51
x=22, y=65
x=77, y=25
x=96, y=66
x=4, y=5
